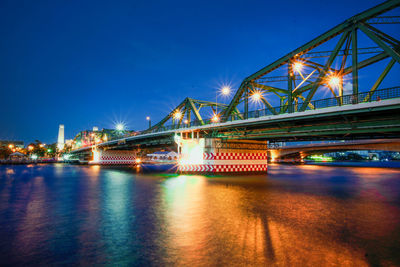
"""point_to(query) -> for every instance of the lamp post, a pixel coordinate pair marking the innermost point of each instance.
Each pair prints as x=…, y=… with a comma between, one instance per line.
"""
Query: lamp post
x=148, y=118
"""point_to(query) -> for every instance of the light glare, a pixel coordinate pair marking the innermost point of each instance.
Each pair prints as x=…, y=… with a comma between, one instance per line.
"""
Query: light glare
x=215, y=118
x=256, y=96
x=178, y=115
x=226, y=90
x=334, y=81
x=120, y=127
x=297, y=67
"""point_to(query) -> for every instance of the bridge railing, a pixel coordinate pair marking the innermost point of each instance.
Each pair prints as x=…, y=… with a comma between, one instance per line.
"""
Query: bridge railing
x=363, y=97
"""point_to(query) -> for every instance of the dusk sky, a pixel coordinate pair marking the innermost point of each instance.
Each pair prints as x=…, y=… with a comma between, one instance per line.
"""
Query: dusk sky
x=94, y=63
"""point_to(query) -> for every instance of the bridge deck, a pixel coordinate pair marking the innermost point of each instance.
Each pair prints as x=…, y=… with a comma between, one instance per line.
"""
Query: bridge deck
x=389, y=104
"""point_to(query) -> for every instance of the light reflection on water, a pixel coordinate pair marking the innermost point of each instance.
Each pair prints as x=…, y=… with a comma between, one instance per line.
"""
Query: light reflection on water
x=294, y=216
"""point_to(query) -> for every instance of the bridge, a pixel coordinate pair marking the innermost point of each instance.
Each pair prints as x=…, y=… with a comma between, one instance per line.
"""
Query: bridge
x=329, y=88
x=302, y=151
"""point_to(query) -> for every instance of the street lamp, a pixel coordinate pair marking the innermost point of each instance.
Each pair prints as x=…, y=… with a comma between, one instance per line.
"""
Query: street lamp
x=256, y=96
x=148, y=118
x=215, y=118
x=297, y=67
x=120, y=127
x=334, y=81
x=178, y=115
x=226, y=90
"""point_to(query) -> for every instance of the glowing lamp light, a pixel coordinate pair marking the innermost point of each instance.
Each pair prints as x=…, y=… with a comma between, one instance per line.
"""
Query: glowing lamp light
x=10, y=146
x=215, y=118
x=186, y=121
x=30, y=147
x=256, y=96
x=96, y=156
x=177, y=115
x=138, y=160
x=334, y=81
x=192, y=152
x=120, y=127
x=148, y=118
x=297, y=67
x=226, y=90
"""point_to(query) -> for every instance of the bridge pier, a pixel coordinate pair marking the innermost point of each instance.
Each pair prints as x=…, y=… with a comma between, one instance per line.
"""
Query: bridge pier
x=113, y=157
x=213, y=155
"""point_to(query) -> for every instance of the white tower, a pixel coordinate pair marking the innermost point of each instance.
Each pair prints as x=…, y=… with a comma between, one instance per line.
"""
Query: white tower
x=60, y=140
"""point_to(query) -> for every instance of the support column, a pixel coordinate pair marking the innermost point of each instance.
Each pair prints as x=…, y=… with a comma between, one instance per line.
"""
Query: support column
x=113, y=157
x=290, y=89
x=246, y=103
x=213, y=155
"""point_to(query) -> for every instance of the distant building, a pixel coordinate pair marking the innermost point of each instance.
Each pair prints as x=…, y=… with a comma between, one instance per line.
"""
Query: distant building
x=91, y=137
x=60, y=140
x=17, y=156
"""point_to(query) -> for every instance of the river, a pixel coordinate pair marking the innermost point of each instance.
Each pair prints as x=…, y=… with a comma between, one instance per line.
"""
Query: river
x=296, y=215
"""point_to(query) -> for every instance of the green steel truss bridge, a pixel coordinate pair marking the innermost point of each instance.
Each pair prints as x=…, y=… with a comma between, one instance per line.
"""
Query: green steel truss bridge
x=336, y=86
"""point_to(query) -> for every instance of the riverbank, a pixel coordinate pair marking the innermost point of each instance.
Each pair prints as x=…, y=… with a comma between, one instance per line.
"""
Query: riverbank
x=367, y=164
x=26, y=161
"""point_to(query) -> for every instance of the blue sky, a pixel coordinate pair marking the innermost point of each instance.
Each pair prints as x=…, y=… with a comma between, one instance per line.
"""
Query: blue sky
x=94, y=63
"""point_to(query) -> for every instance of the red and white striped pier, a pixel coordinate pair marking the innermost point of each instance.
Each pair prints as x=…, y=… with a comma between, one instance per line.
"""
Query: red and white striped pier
x=113, y=157
x=233, y=157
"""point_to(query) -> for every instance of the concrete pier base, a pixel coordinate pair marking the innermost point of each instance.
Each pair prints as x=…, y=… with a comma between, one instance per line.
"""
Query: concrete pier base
x=113, y=157
x=212, y=155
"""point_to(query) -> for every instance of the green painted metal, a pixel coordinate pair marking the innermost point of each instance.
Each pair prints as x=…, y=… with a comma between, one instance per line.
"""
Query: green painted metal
x=380, y=79
x=293, y=99
x=324, y=71
x=354, y=60
x=187, y=107
x=348, y=31
x=387, y=38
x=367, y=62
x=269, y=88
x=290, y=89
x=380, y=42
x=191, y=106
x=330, y=128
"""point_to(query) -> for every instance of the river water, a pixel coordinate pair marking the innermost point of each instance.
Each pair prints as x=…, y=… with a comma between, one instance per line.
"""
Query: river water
x=293, y=216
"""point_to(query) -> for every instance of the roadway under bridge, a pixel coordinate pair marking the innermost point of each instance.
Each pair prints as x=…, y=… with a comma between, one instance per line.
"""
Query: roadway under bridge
x=302, y=151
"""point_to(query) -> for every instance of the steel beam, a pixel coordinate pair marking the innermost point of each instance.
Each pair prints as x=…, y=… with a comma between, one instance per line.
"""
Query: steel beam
x=354, y=61
x=394, y=54
x=322, y=74
x=380, y=79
